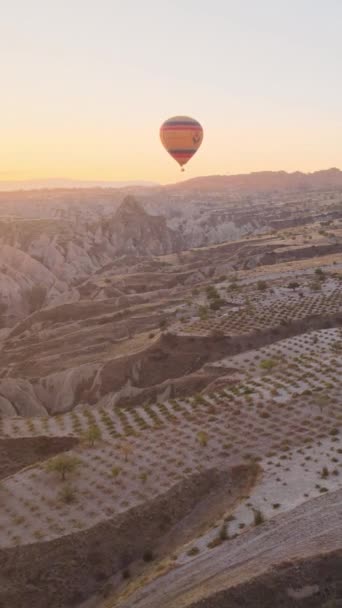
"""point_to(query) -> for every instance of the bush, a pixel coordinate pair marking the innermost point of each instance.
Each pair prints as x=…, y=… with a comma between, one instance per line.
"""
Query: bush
x=148, y=555
x=214, y=543
x=202, y=438
x=67, y=495
x=315, y=286
x=116, y=471
x=261, y=285
x=217, y=304
x=268, y=364
x=203, y=312
x=212, y=293
x=258, y=517
x=223, y=533
x=293, y=285
x=193, y=551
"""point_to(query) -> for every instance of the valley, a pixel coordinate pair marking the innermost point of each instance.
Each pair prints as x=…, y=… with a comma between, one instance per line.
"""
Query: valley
x=170, y=394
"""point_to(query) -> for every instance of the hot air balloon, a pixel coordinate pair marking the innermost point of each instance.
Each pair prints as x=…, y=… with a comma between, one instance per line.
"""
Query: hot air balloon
x=181, y=136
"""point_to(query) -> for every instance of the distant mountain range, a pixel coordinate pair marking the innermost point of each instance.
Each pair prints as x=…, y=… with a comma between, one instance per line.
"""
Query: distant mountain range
x=262, y=181
x=41, y=184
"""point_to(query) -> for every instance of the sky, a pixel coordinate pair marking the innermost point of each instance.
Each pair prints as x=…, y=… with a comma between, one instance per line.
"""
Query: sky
x=86, y=84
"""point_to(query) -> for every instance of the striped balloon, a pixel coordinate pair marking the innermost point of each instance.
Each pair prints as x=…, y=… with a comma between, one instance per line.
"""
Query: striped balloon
x=181, y=136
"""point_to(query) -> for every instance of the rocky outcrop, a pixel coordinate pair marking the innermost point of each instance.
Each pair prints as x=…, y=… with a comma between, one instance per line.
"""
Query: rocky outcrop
x=20, y=273
x=132, y=230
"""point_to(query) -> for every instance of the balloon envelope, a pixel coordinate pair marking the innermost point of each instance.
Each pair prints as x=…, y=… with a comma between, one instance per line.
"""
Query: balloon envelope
x=181, y=136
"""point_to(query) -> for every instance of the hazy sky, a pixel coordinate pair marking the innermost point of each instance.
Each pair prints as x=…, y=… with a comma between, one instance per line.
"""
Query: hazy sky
x=85, y=85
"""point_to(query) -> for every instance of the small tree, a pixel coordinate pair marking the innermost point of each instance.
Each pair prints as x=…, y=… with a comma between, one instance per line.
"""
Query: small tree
x=163, y=324
x=203, y=312
x=116, y=471
x=212, y=292
x=63, y=464
x=258, y=517
x=202, y=437
x=316, y=286
x=92, y=435
x=126, y=449
x=223, y=533
x=268, y=364
x=217, y=304
x=320, y=275
x=233, y=286
x=261, y=285
x=293, y=285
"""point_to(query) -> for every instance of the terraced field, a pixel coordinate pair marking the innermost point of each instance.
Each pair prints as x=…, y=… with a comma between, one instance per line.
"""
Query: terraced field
x=184, y=423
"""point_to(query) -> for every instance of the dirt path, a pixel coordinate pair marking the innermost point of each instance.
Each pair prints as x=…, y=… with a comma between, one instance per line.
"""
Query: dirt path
x=308, y=530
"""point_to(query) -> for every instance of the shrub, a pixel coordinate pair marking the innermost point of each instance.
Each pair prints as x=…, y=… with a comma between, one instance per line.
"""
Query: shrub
x=126, y=573
x=233, y=287
x=217, y=304
x=144, y=476
x=67, y=495
x=315, y=286
x=126, y=449
x=214, y=543
x=268, y=364
x=202, y=437
x=293, y=285
x=193, y=551
x=162, y=324
x=261, y=285
x=223, y=533
x=212, y=293
x=203, y=312
x=116, y=471
x=258, y=517
x=148, y=555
